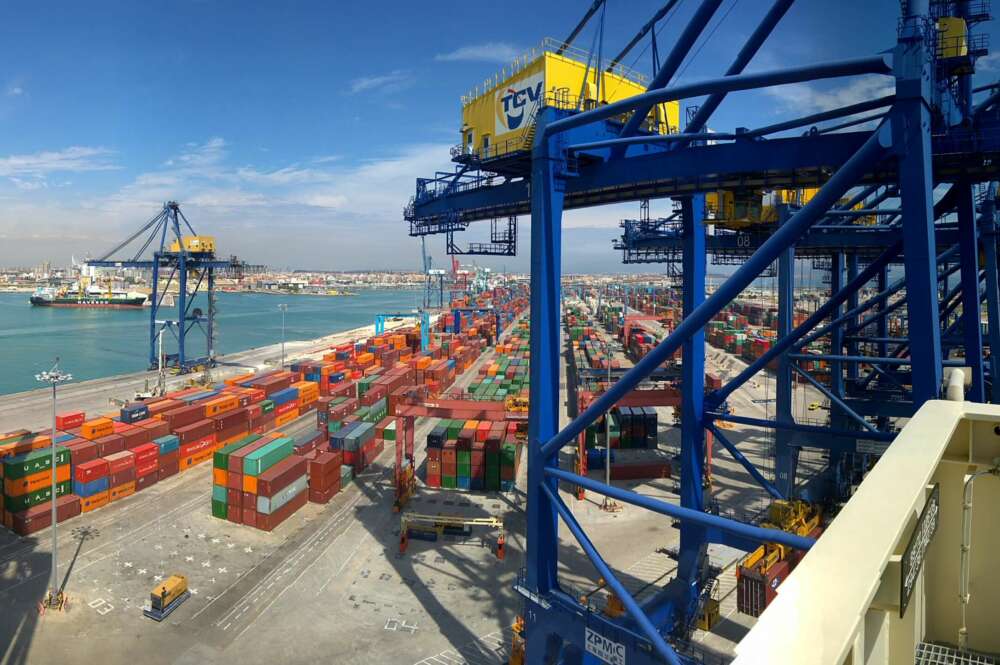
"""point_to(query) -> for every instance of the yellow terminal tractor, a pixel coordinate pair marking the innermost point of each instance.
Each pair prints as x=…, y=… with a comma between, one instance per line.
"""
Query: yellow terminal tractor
x=167, y=597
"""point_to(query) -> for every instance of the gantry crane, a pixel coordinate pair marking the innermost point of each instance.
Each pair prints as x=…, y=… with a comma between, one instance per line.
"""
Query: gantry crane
x=886, y=154
x=182, y=258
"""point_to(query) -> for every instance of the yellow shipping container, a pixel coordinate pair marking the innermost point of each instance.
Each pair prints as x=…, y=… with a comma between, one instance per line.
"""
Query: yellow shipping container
x=498, y=117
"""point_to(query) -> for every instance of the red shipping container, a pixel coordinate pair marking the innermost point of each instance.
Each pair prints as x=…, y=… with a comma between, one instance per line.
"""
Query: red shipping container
x=232, y=434
x=269, y=522
x=135, y=437
x=195, y=447
x=239, y=417
x=146, y=468
x=233, y=514
x=145, y=452
x=120, y=461
x=183, y=416
x=80, y=451
x=323, y=495
x=110, y=445
x=234, y=481
x=92, y=470
x=168, y=468
x=142, y=482
x=154, y=426
x=234, y=498
x=36, y=518
x=250, y=517
x=70, y=419
x=121, y=477
x=249, y=500
x=281, y=475
x=325, y=462
x=287, y=407
x=195, y=431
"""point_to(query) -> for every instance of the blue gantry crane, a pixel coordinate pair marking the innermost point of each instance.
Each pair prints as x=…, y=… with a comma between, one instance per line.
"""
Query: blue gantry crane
x=422, y=317
x=179, y=256
x=890, y=245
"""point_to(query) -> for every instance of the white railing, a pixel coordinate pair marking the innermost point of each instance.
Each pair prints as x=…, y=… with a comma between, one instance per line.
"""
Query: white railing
x=549, y=45
x=882, y=582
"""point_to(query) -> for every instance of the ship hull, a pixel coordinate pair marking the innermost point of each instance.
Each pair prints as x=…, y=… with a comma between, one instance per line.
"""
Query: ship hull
x=90, y=303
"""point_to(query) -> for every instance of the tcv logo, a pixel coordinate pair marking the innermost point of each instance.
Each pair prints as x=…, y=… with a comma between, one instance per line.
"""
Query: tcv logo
x=512, y=102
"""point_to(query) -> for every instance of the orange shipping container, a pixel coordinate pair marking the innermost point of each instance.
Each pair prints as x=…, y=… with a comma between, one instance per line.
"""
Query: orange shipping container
x=220, y=405
x=94, y=501
x=35, y=482
x=196, y=459
x=240, y=379
x=250, y=484
x=121, y=491
x=96, y=428
x=286, y=418
x=220, y=477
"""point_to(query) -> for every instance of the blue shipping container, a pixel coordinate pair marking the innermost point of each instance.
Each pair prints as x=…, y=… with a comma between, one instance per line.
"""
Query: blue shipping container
x=285, y=396
x=90, y=489
x=168, y=443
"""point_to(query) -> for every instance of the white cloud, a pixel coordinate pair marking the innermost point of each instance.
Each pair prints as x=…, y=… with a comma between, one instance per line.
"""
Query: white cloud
x=289, y=175
x=394, y=81
x=15, y=91
x=322, y=213
x=805, y=98
x=199, y=155
x=29, y=185
x=989, y=63
x=72, y=159
x=499, y=52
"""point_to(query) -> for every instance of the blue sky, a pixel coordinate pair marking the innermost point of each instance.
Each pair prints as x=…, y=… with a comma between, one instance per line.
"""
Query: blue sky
x=293, y=131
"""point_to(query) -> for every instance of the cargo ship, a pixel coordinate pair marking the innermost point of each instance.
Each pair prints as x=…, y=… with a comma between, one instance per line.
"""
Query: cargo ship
x=100, y=299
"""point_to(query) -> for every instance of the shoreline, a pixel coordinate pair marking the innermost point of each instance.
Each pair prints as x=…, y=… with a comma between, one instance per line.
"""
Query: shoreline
x=32, y=409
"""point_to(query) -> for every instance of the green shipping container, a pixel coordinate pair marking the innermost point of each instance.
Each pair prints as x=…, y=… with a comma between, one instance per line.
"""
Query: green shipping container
x=449, y=482
x=264, y=458
x=333, y=425
x=219, y=509
x=220, y=460
x=219, y=494
x=464, y=457
x=267, y=406
x=16, y=504
x=464, y=470
x=28, y=463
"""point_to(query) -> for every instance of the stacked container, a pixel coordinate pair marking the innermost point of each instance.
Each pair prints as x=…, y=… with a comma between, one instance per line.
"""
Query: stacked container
x=324, y=476
x=27, y=484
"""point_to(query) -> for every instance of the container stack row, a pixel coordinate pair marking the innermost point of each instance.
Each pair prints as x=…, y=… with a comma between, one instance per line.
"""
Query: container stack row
x=473, y=455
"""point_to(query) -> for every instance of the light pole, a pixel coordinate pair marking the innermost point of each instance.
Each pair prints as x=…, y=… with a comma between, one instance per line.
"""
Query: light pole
x=54, y=377
x=284, y=308
x=609, y=504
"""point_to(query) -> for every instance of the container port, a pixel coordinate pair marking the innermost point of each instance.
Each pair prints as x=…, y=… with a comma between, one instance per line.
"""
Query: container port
x=790, y=457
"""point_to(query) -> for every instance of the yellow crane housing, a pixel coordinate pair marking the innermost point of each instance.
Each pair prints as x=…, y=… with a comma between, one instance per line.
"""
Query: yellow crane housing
x=498, y=117
x=195, y=245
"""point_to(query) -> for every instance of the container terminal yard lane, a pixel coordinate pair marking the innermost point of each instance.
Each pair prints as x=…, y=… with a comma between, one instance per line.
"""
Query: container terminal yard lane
x=330, y=582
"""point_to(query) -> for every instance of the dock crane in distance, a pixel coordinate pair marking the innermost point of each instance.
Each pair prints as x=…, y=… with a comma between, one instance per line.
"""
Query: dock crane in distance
x=181, y=254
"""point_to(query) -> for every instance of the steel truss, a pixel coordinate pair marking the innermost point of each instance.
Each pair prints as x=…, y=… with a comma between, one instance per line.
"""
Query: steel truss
x=192, y=273
x=874, y=210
